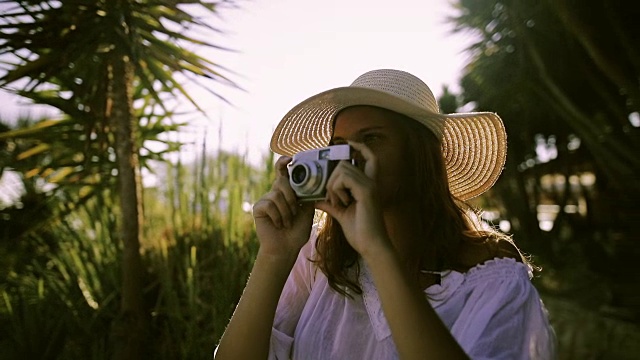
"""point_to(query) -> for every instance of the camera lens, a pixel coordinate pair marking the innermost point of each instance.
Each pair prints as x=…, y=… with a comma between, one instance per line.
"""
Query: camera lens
x=299, y=174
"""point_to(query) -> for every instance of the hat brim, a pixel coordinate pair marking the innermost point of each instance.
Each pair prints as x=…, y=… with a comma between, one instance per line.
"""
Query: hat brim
x=473, y=144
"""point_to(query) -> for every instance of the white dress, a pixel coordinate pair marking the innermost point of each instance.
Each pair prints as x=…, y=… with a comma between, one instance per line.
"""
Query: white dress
x=492, y=310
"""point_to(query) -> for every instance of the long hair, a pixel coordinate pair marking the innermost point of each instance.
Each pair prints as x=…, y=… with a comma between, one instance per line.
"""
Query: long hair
x=448, y=227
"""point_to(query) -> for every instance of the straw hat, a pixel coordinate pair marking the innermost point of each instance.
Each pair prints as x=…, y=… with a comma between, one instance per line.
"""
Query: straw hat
x=474, y=145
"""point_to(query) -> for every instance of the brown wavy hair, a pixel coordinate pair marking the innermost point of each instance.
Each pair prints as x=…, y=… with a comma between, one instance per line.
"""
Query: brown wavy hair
x=455, y=234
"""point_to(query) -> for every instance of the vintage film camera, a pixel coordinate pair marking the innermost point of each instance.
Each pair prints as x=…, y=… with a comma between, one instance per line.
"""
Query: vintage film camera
x=309, y=170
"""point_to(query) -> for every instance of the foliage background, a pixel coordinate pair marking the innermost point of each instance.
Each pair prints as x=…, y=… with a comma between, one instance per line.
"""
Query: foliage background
x=564, y=76
x=61, y=302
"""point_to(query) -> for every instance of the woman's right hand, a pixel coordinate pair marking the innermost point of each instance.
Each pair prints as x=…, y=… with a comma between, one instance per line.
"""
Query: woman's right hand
x=283, y=224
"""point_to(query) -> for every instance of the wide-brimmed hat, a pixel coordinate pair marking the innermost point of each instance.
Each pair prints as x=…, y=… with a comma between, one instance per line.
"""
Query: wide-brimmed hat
x=474, y=145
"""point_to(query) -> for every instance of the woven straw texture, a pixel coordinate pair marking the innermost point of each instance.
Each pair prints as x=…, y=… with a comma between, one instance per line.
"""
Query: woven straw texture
x=473, y=144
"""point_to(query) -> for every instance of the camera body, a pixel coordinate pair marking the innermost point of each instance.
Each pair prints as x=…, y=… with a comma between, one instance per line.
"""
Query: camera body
x=309, y=170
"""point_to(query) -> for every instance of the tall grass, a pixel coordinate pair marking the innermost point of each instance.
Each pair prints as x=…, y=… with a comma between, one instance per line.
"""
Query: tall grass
x=59, y=307
x=202, y=248
x=198, y=248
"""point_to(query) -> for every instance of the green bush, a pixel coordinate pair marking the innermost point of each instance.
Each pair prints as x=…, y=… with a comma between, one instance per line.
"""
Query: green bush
x=198, y=249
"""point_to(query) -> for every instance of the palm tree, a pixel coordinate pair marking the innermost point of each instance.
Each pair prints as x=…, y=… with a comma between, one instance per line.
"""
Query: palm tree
x=87, y=58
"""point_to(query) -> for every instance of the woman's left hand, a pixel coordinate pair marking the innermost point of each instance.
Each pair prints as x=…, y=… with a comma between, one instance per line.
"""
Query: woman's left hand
x=352, y=200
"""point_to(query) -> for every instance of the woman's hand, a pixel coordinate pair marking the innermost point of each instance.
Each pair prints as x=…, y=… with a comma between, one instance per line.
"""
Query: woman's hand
x=353, y=201
x=283, y=225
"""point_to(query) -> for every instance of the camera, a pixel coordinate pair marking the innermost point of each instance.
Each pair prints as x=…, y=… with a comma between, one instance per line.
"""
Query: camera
x=309, y=170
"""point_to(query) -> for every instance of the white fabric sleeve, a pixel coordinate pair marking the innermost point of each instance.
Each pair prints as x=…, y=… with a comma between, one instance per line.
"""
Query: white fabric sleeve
x=504, y=318
x=292, y=301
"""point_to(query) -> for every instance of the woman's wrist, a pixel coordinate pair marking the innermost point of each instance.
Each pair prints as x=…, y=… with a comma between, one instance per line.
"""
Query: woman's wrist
x=377, y=250
x=278, y=257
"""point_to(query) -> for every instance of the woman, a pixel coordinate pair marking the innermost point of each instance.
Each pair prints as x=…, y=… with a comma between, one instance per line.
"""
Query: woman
x=399, y=267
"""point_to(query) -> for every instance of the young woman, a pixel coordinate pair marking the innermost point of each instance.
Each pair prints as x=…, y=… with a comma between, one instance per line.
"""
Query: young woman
x=398, y=267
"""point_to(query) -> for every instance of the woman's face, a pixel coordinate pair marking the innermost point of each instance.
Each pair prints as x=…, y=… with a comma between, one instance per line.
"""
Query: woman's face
x=380, y=131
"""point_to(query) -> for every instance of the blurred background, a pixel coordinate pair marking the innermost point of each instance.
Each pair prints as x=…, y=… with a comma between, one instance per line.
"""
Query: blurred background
x=134, y=140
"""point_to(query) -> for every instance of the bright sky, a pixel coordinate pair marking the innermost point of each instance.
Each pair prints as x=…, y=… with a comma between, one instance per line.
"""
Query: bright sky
x=289, y=50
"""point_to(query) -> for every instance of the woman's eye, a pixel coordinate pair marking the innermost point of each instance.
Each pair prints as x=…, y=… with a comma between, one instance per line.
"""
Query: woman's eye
x=369, y=138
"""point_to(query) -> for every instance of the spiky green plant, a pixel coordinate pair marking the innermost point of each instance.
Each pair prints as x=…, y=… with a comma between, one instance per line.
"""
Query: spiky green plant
x=201, y=244
x=56, y=306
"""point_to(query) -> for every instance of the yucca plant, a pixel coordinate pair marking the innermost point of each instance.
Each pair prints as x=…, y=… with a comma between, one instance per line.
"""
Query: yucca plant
x=85, y=58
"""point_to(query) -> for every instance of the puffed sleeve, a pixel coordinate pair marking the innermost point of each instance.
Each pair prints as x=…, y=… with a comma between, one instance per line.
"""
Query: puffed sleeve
x=292, y=301
x=503, y=316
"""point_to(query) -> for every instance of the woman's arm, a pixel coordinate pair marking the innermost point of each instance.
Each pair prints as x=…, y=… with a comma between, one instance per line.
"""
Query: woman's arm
x=283, y=227
x=415, y=327
x=248, y=334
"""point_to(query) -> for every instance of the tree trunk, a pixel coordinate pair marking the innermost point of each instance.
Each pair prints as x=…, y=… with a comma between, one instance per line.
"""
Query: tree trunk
x=130, y=329
x=610, y=63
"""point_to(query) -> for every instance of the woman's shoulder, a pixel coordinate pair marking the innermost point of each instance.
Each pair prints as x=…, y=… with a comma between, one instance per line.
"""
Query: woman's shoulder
x=493, y=277
x=475, y=254
x=496, y=259
x=505, y=269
